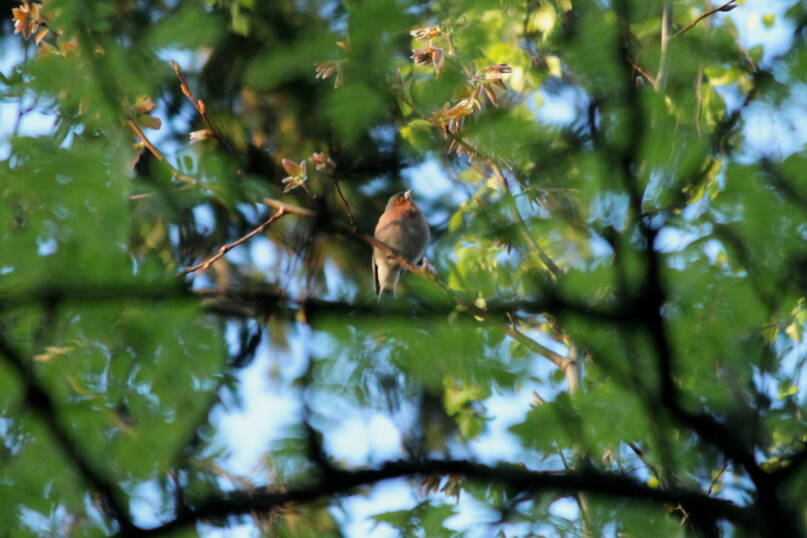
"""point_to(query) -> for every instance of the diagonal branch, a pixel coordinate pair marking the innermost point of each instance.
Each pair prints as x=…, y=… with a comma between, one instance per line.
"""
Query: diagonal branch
x=40, y=401
x=647, y=76
x=550, y=265
x=728, y=6
x=176, y=174
x=151, y=147
x=559, y=360
x=205, y=265
x=350, y=216
x=200, y=106
x=459, y=141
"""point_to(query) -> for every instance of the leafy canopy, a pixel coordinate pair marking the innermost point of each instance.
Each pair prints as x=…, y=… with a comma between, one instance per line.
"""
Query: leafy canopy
x=608, y=337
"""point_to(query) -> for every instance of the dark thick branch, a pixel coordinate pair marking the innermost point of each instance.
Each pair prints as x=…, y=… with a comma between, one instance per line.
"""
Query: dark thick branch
x=252, y=303
x=271, y=302
x=41, y=403
x=343, y=482
x=334, y=483
x=651, y=301
x=653, y=295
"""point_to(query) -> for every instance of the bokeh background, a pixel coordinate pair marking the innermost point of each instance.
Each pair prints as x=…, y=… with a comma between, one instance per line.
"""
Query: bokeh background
x=200, y=382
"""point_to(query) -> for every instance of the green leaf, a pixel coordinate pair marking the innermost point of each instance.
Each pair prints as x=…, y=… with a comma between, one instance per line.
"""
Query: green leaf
x=420, y=134
x=353, y=109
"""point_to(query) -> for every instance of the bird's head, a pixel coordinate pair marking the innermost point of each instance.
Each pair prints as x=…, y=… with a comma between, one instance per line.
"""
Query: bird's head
x=400, y=199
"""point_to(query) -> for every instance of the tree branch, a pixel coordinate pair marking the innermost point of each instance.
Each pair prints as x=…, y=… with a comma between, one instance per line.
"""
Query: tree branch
x=151, y=147
x=647, y=76
x=559, y=360
x=200, y=107
x=728, y=6
x=189, y=181
x=205, y=265
x=660, y=83
x=652, y=296
x=345, y=203
x=271, y=302
x=550, y=265
x=264, y=500
x=41, y=403
x=650, y=303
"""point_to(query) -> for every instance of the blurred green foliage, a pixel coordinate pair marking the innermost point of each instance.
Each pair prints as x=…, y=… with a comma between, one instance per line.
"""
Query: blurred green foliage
x=591, y=142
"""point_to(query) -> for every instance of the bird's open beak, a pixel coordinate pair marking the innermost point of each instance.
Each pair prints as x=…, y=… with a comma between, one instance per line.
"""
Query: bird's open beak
x=408, y=194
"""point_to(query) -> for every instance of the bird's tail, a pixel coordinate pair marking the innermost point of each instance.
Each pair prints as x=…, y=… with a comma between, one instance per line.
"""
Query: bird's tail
x=382, y=293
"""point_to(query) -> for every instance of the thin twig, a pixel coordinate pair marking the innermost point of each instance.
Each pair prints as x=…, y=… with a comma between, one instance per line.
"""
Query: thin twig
x=652, y=468
x=205, y=265
x=344, y=202
x=704, y=15
x=557, y=359
x=513, y=331
x=151, y=147
x=644, y=73
x=20, y=111
x=551, y=266
x=713, y=483
x=176, y=174
x=200, y=106
x=144, y=195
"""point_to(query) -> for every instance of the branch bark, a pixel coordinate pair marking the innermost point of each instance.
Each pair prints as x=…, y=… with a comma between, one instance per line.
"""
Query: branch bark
x=40, y=402
x=205, y=265
x=200, y=107
x=728, y=6
x=336, y=482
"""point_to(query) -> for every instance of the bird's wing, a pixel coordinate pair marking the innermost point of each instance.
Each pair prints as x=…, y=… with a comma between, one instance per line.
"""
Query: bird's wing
x=375, y=277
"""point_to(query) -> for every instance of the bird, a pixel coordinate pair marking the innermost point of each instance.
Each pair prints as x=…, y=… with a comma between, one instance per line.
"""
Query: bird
x=403, y=228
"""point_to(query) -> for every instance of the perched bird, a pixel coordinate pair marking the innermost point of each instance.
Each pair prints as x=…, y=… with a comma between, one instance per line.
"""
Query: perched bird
x=403, y=228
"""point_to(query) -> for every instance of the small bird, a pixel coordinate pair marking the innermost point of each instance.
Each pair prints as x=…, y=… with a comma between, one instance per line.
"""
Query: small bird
x=403, y=228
